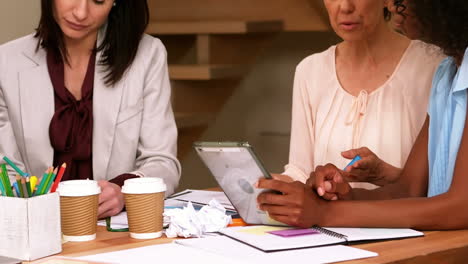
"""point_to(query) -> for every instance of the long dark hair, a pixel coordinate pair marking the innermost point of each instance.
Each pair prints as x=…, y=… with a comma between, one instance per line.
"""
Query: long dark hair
x=126, y=25
x=443, y=23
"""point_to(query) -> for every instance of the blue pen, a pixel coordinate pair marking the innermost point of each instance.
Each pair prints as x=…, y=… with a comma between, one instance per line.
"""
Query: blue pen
x=353, y=161
x=15, y=185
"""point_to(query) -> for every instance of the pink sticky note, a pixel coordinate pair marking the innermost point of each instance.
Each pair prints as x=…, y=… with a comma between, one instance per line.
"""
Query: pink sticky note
x=294, y=232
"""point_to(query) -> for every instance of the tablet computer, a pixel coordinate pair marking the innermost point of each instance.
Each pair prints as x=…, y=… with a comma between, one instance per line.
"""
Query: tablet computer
x=236, y=168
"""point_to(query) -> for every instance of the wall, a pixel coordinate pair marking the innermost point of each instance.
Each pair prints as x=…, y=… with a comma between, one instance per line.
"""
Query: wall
x=259, y=111
x=18, y=18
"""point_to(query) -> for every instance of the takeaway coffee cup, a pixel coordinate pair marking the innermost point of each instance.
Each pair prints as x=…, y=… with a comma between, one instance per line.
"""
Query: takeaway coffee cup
x=144, y=200
x=79, y=200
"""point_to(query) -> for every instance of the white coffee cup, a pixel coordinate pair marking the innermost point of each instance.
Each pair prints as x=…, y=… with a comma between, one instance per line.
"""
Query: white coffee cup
x=79, y=201
x=144, y=201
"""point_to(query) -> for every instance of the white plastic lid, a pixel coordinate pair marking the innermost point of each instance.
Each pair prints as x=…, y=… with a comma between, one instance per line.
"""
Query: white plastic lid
x=77, y=188
x=143, y=185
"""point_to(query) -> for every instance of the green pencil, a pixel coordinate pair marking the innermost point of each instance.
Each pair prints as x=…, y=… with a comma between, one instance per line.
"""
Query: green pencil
x=28, y=187
x=6, y=181
x=2, y=189
x=46, y=181
x=23, y=186
x=20, y=172
x=51, y=181
x=18, y=181
x=41, y=183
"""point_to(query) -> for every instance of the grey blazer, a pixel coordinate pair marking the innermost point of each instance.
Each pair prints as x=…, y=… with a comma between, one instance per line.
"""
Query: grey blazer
x=133, y=128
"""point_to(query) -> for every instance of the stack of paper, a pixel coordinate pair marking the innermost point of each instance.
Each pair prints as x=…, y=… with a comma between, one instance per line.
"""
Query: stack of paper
x=165, y=253
x=243, y=253
x=225, y=250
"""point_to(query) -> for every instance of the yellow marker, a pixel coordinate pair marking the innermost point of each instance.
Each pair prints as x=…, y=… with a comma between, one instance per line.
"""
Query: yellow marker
x=33, y=182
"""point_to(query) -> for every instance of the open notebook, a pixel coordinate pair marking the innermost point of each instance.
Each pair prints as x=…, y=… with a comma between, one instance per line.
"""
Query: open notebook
x=260, y=238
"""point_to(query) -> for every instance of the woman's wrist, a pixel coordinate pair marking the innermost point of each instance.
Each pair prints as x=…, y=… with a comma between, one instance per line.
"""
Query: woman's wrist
x=390, y=174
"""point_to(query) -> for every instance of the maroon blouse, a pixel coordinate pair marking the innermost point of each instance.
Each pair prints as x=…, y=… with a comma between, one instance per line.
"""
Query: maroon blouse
x=71, y=127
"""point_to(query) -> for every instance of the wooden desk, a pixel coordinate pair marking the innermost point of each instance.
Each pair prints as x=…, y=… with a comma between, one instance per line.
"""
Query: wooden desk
x=434, y=248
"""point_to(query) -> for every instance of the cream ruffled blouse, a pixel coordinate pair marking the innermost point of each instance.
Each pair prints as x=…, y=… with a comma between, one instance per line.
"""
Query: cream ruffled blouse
x=327, y=120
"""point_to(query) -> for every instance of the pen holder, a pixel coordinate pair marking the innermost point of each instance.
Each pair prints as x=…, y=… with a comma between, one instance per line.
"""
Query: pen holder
x=30, y=227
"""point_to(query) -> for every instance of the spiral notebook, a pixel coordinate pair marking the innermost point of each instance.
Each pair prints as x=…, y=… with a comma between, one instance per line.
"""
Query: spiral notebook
x=260, y=237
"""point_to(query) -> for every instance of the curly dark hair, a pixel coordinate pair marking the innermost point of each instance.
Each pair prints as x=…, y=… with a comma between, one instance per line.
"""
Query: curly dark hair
x=443, y=23
x=387, y=14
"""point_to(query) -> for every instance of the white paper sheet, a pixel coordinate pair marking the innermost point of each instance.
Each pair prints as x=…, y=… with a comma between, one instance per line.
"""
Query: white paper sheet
x=359, y=234
x=165, y=253
x=120, y=221
x=243, y=253
x=203, y=197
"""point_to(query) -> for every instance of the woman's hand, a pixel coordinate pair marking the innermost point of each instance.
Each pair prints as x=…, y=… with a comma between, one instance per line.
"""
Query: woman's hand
x=297, y=205
x=330, y=183
x=281, y=177
x=370, y=168
x=111, y=199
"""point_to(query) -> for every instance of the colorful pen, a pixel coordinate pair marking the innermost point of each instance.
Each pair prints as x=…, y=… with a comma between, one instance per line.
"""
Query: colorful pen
x=18, y=194
x=2, y=189
x=20, y=187
x=24, y=188
x=42, y=182
x=50, y=181
x=6, y=181
x=28, y=187
x=18, y=170
x=33, y=182
x=353, y=161
x=59, y=177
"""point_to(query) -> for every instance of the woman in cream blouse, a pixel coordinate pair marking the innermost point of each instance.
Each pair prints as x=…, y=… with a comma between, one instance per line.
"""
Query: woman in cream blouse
x=371, y=90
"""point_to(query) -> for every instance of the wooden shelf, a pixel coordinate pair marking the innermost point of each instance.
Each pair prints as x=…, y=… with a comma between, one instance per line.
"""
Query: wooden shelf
x=213, y=27
x=297, y=15
x=190, y=120
x=205, y=72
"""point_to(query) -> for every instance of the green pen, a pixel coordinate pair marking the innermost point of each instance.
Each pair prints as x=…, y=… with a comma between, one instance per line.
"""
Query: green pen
x=18, y=181
x=20, y=172
x=41, y=183
x=2, y=189
x=28, y=187
x=50, y=181
x=46, y=182
x=6, y=182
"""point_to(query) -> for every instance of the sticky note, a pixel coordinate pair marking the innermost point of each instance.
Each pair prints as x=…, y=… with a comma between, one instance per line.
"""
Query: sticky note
x=294, y=232
x=261, y=230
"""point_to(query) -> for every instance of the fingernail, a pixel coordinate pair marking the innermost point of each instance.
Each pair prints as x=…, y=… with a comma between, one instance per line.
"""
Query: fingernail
x=320, y=191
x=256, y=184
x=327, y=186
x=334, y=198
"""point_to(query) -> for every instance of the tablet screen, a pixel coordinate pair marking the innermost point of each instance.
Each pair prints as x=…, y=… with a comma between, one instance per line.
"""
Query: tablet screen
x=236, y=170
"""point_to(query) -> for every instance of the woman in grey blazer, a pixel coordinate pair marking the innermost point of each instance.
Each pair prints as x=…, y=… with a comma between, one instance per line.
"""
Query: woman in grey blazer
x=89, y=89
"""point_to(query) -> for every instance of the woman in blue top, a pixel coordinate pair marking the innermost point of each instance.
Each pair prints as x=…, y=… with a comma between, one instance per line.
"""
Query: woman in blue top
x=434, y=181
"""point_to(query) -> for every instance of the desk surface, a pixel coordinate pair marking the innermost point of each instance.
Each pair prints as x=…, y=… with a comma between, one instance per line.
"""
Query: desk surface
x=434, y=247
